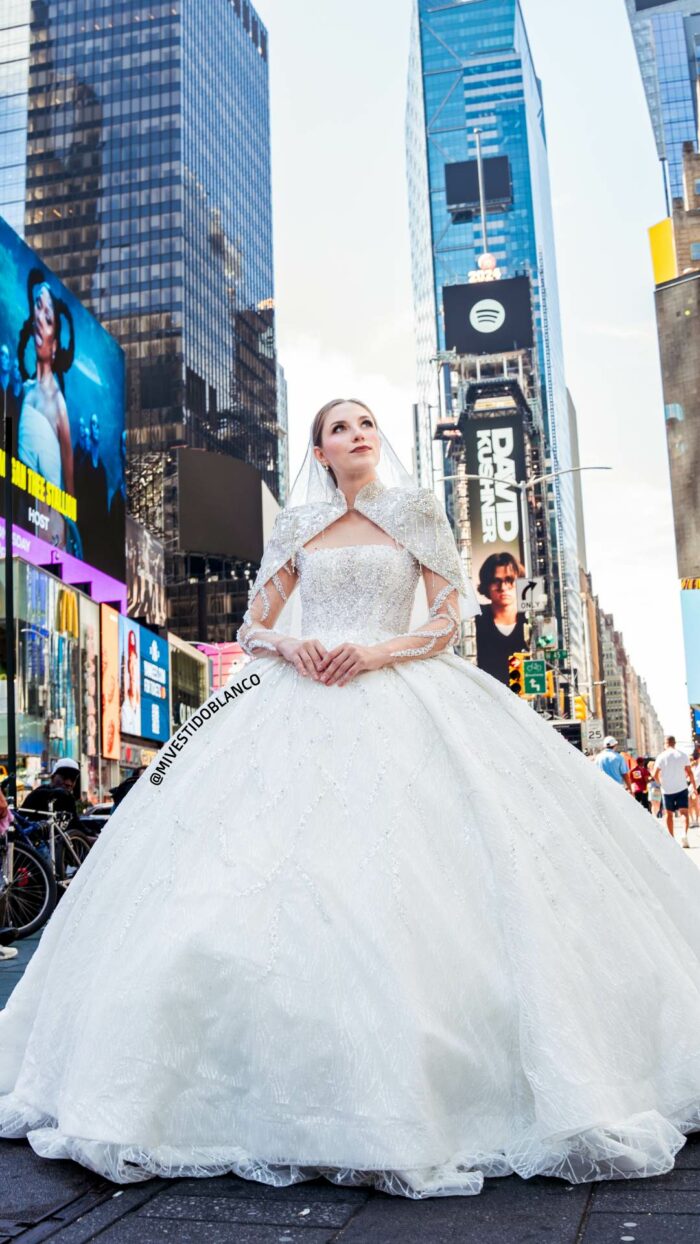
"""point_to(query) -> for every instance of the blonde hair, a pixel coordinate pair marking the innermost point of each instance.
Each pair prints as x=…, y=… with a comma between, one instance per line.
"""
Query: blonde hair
x=320, y=418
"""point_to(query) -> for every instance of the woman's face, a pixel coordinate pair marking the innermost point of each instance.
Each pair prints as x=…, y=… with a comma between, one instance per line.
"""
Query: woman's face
x=44, y=324
x=349, y=441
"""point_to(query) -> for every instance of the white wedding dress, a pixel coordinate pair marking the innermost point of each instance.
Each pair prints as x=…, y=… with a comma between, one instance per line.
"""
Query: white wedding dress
x=397, y=932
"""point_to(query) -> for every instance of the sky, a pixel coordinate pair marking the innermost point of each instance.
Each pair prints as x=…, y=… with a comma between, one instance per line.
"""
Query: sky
x=343, y=280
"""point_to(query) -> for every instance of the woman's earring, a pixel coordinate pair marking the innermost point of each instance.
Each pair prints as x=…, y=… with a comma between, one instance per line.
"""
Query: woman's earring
x=326, y=466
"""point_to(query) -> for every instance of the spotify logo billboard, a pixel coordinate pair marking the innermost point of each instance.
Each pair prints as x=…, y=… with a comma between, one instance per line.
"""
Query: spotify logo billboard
x=489, y=317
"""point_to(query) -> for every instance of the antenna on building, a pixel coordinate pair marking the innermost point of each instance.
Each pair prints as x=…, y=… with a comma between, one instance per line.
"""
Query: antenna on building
x=482, y=192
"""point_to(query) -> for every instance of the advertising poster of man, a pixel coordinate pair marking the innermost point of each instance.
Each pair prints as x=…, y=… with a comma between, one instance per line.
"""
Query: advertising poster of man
x=130, y=676
x=495, y=452
x=62, y=379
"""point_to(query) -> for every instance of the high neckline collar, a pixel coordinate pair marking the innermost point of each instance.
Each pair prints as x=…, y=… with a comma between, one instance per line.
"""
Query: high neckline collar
x=367, y=493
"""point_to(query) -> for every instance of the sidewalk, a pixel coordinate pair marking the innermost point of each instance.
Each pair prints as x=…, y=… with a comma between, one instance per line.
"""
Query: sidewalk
x=62, y=1202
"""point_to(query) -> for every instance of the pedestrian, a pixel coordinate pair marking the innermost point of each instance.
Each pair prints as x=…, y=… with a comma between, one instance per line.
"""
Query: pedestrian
x=694, y=796
x=673, y=770
x=611, y=762
x=58, y=795
x=639, y=778
x=655, y=798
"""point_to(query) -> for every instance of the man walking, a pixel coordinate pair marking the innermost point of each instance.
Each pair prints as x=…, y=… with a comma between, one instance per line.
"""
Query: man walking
x=673, y=771
x=611, y=762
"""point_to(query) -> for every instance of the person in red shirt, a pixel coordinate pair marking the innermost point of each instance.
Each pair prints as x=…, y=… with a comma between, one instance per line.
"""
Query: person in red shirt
x=640, y=777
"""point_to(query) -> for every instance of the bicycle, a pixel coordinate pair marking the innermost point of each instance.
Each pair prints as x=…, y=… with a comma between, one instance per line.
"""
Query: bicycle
x=65, y=845
x=28, y=890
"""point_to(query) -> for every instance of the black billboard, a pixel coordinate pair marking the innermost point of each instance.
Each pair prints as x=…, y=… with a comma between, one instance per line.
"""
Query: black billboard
x=488, y=317
x=462, y=183
x=219, y=505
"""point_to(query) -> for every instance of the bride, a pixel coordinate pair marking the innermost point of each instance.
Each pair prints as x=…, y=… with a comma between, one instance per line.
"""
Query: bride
x=367, y=915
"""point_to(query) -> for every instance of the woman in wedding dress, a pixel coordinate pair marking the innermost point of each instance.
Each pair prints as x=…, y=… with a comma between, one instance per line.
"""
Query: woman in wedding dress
x=368, y=915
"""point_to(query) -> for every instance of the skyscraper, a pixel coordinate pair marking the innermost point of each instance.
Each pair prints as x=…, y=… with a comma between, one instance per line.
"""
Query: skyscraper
x=667, y=38
x=471, y=69
x=148, y=190
x=14, y=82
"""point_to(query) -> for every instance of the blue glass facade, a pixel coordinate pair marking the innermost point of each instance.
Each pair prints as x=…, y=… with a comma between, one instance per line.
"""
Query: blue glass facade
x=471, y=67
x=14, y=81
x=141, y=161
x=667, y=39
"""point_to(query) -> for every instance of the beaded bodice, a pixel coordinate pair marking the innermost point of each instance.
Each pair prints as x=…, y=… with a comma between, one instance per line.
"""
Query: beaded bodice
x=359, y=592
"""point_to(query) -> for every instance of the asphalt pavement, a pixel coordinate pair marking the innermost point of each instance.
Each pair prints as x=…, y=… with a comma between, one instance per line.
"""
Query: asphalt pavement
x=62, y=1202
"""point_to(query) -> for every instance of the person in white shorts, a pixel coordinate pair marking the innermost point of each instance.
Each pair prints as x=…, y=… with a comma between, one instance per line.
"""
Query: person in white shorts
x=673, y=771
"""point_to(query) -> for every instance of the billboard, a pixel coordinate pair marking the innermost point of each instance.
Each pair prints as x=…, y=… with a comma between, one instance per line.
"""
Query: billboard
x=129, y=676
x=495, y=452
x=145, y=574
x=109, y=681
x=155, y=687
x=219, y=505
x=462, y=183
x=489, y=321
x=690, y=612
x=144, y=682
x=62, y=381
x=678, y=324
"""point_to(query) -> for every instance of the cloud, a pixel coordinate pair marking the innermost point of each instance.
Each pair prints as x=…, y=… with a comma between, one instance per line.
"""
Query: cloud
x=645, y=333
x=315, y=375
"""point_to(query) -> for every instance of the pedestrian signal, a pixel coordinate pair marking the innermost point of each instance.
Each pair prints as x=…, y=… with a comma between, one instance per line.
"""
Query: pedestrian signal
x=581, y=708
x=516, y=677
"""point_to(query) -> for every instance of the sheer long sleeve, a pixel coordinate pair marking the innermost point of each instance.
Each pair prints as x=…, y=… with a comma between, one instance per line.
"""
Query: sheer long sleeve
x=265, y=603
x=440, y=629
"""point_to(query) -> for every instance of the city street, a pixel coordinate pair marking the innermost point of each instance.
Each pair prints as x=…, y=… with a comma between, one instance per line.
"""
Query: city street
x=63, y=1202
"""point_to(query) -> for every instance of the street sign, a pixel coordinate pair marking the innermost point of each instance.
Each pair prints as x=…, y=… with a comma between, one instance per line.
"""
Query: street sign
x=561, y=654
x=593, y=732
x=571, y=730
x=531, y=596
x=535, y=677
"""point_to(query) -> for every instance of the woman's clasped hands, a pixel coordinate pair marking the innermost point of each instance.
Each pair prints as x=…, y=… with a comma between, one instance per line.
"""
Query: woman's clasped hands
x=336, y=666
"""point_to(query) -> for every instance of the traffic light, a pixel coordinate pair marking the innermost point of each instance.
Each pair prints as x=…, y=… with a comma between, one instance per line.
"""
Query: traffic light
x=581, y=708
x=516, y=676
x=550, y=693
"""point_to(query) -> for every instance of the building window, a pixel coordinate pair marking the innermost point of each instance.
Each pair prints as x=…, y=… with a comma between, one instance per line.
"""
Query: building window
x=697, y=185
x=695, y=251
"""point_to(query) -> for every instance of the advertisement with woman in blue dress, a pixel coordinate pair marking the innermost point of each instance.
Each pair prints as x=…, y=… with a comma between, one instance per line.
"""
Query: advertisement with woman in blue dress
x=62, y=383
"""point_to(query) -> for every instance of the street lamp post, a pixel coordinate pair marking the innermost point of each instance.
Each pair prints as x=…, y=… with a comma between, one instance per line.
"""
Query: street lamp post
x=9, y=602
x=522, y=487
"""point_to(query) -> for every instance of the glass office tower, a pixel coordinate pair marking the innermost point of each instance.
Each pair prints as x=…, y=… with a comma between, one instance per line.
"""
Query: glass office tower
x=148, y=190
x=471, y=68
x=14, y=81
x=667, y=39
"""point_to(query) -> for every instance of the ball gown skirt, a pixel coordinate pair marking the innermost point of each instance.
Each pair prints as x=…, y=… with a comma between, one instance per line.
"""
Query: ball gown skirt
x=398, y=933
